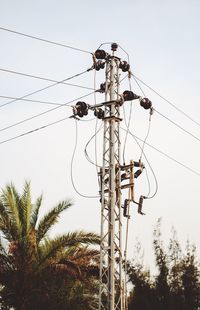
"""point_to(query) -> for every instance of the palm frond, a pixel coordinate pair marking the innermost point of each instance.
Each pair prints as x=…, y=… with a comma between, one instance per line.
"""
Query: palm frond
x=50, y=248
x=26, y=207
x=35, y=212
x=69, y=268
x=82, y=255
x=50, y=219
x=7, y=223
x=9, y=199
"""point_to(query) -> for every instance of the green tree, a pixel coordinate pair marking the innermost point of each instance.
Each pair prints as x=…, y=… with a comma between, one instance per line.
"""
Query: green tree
x=39, y=272
x=176, y=285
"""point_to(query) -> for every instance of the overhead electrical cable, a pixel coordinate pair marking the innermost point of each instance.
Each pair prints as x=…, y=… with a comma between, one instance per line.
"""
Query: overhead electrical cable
x=165, y=154
x=44, y=88
x=130, y=112
x=34, y=130
x=44, y=40
x=150, y=145
x=166, y=100
x=149, y=125
x=150, y=166
x=43, y=113
x=30, y=100
x=95, y=133
x=138, y=84
x=177, y=125
x=142, y=149
x=37, y=129
x=167, y=118
x=43, y=78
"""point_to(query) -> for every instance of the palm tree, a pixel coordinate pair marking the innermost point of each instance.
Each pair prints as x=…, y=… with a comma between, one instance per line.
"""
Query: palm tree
x=35, y=270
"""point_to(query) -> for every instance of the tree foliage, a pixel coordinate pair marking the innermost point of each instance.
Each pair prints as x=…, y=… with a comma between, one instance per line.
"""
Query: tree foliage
x=176, y=286
x=39, y=272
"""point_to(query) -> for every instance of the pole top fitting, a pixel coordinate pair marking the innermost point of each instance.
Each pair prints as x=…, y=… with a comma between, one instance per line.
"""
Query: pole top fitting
x=114, y=47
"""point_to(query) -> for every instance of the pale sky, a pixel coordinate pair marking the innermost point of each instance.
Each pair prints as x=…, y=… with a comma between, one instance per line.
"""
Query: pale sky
x=162, y=39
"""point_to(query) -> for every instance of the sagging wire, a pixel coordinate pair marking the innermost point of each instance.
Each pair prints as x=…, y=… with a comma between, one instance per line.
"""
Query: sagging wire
x=150, y=116
x=130, y=112
x=95, y=132
x=72, y=162
x=149, y=184
x=144, y=141
x=86, y=146
x=147, y=134
x=153, y=173
x=146, y=137
x=104, y=43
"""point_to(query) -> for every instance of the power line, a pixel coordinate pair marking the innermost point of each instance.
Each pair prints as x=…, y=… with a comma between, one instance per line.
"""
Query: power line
x=166, y=100
x=44, y=88
x=142, y=149
x=43, y=78
x=61, y=120
x=167, y=118
x=177, y=125
x=150, y=145
x=166, y=155
x=148, y=162
x=44, y=40
x=43, y=113
x=34, y=130
x=130, y=111
x=30, y=100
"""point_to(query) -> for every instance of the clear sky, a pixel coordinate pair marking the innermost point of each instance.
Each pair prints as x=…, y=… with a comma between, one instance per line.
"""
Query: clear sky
x=162, y=39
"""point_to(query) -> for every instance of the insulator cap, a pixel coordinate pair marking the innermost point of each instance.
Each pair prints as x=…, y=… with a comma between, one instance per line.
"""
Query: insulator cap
x=114, y=47
x=99, y=65
x=124, y=66
x=140, y=205
x=82, y=108
x=102, y=87
x=125, y=213
x=123, y=176
x=99, y=113
x=100, y=54
x=146, y=103
x=137, y=173
x=129, y=95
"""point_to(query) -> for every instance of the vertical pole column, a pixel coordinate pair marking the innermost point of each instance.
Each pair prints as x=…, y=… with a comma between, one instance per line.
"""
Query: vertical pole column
x=110, y=248
x=112, y=185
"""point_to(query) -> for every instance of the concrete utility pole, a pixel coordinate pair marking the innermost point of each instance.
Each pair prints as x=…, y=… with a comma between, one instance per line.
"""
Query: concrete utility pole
x=110, y=248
